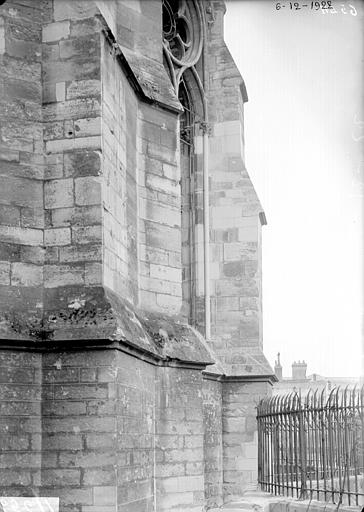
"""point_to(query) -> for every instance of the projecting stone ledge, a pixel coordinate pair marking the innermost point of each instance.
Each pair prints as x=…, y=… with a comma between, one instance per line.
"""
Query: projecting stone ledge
x=72, y=316
x=253, y=365
x=147, y=76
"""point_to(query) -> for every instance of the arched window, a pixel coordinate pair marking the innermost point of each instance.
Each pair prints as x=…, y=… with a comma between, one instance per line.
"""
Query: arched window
x=182, y=49
x=187, y=163
x=182, y=36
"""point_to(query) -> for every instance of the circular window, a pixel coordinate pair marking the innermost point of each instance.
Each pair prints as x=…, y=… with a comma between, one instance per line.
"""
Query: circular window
x=182, y=31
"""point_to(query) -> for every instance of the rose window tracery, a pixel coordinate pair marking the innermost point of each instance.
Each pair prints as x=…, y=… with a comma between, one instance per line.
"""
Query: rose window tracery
x=182, y=36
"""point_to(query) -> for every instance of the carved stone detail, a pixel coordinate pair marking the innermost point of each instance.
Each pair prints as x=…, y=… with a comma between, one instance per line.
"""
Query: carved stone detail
x=182, y=36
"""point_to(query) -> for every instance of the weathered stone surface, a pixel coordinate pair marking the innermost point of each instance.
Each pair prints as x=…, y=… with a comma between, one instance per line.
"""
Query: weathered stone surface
x=213, y=464
x=58, y=193
x=26, y=274
x=56, y=31
x=240, y=437
x=87, y=191
x=23, y=236
x=58, y=236
x=5, y=272
x=153, y=79
x=82, y=163
x=77, y=216
x=94, y=252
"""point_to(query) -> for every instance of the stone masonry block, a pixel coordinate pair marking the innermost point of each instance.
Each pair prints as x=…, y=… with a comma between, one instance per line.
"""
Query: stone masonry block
x=86, y=234
x=57, y=236
x=73, y=9
x=87, y=126
x=80, y=253
x=25, y=274
x=56, y=31
x=63, y=477
x=56, y=146
x=163, y=184
x=4, y=272
x=83, y=88
x=174, y=501
x=165, y=273
x=186, y=455
x=93, y=274
x=32, y=217
x=80, y=47
x=58, y=193
x=21, y=192
x=82, y=163
x=71, y=109
x=159, y=286
x=78, y=216
x=171, y=172
x=156, y=212
x=95, y=477
x=169, y=304
x=163, y=237
x=9, y=155
x=87, y=191
x=2, y=36
x=62, y=275
x=182, y=484
x=104, y=495
x=24, y=236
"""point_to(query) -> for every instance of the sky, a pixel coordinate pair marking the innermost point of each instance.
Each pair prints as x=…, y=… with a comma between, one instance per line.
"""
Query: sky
x=304, y=135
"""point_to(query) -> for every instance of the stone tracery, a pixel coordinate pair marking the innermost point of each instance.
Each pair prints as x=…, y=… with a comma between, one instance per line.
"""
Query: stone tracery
x=182, y=36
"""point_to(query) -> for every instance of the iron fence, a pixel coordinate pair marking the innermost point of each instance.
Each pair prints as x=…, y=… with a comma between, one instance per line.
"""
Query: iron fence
x=313, y=446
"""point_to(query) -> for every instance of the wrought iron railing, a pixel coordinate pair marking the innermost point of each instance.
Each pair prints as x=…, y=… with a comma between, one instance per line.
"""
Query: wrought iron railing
x=313, y=447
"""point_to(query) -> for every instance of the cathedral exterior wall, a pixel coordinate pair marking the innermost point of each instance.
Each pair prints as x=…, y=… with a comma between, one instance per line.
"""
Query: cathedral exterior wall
x=240, y=436
x=179, y=440
x=159, y=212
x=102, y=429
x=108, y=399
x=213, y=442
x=236, y=215
x=20, y=420
x=119, y=170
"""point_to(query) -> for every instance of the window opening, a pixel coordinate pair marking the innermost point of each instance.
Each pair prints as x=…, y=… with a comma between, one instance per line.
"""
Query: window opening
x=187, y=133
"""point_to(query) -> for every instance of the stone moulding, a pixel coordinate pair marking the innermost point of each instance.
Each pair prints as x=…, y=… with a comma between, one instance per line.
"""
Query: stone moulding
x=98, y=318
x=223, y=377
x=183, y=37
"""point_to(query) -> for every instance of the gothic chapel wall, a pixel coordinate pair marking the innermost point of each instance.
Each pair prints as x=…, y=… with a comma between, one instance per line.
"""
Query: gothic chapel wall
x=130, y=258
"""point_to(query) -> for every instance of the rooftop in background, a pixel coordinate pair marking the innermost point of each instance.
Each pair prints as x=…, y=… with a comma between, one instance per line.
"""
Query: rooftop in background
x=300, y=382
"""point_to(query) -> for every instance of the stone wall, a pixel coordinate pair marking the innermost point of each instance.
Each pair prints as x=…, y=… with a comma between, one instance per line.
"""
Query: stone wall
x=22, y=162
x=72, y=129
x=79, y=430
x=159, y=211
x=212, y=408
x=240, y=437
x=119, y=172
x=103, y=400
x=101, y=430
x=136, y=388
x=179, y=441
x=20, y=422
x=236, y=217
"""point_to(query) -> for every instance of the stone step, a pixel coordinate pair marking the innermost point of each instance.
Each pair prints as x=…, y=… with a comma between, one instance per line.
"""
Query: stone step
x=255, y=501
x=240, y=504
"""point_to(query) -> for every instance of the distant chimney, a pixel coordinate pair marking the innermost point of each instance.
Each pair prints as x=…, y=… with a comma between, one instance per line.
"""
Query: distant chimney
x=278, y=367
x=299, y=369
